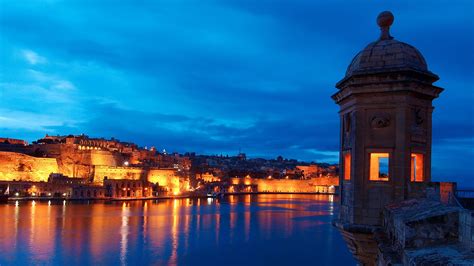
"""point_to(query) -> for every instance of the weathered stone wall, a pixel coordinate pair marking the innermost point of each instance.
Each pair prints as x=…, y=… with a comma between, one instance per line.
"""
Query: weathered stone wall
x=83, y=164
x=289, y=185
x=466, y=229
x=346, y=213
x=98, y=157
x=167, y=178
x=425, y=232
x=70, y=162
x=117, y=172
x=17, y=166
x=419, y=223
x=13, y=141
x=77, y=163
x=164, y=177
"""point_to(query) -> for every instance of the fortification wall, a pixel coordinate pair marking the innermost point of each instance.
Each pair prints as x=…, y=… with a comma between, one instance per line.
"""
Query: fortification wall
x=289, y=185
x=17, y=166
x=98, y=157
x=73, y=163
x=309, y=170
x=112, y=172
x=13, y=141
x=167, y=178
x=164, y=177
x=81, y=163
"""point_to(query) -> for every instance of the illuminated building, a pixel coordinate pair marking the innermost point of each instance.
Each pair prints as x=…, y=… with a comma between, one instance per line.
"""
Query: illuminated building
x=9, y=141
x=88, y=192
x=123, y=188
x=70, y=161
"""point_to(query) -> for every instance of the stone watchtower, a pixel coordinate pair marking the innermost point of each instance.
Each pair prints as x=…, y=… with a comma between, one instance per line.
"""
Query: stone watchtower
x=385, y=104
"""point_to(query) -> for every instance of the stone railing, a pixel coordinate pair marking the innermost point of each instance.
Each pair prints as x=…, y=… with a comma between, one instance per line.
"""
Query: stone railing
x=465, y=198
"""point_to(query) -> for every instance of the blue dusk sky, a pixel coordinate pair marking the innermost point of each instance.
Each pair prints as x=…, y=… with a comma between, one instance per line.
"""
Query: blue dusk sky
x=216, y=76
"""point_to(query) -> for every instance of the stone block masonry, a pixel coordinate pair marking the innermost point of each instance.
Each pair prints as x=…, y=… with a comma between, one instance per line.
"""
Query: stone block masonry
x=17, y=166
x=313, y=185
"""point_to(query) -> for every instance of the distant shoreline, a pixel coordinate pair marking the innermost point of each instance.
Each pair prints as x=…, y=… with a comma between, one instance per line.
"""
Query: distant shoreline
x=164, y=197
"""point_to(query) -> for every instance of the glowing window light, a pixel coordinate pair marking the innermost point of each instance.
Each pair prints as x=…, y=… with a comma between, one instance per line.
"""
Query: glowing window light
x=379, y=166
x=417, y=165
x=347, y=165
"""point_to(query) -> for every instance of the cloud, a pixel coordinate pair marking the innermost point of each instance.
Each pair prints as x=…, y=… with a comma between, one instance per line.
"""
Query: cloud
x=32, y=57
x=51, y=81
x=31, y=121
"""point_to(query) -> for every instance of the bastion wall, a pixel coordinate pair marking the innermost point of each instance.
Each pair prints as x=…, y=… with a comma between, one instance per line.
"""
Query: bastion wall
x=94, y=164
x=17, y=166
x=289, y=185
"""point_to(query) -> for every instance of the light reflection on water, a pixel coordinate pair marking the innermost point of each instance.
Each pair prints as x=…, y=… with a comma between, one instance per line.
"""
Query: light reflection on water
x=124, y=234
x=248, y=229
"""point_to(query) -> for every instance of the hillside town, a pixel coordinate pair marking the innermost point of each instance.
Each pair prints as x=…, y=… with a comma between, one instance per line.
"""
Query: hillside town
x=81, y=167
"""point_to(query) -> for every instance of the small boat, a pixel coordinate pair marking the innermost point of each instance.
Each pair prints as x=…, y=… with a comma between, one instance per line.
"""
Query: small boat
x=4, y=193
x=215, y=195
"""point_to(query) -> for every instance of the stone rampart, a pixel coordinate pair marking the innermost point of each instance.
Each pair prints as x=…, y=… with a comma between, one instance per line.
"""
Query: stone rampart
x=82, y=164
x=166, y=178
x=17, y=166
x=117, y=172
x=321, y=184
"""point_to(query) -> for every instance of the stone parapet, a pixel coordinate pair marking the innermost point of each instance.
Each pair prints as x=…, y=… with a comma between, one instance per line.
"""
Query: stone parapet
x=313, y=185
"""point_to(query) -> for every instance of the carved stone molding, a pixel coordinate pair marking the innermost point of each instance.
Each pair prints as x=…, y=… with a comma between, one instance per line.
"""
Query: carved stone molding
x=348, y=121
x=419, y=116
x=380, y=120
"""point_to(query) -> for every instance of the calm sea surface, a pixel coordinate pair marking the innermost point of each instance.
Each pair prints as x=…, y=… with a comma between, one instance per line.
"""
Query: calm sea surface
x=236, y=230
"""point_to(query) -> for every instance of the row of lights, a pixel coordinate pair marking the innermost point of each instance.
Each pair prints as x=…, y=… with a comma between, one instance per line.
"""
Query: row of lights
x=129, y=189
x=17, y=203
x=17, y=194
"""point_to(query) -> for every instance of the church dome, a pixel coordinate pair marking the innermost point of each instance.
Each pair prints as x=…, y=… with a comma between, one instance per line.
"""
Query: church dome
x=386, y=54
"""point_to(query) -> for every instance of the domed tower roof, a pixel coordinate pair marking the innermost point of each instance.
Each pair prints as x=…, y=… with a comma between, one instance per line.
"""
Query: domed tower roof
x=387, y=54
x=387, y=65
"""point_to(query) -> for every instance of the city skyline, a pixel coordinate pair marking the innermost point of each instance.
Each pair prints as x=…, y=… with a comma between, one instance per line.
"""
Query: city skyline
x=217, y=77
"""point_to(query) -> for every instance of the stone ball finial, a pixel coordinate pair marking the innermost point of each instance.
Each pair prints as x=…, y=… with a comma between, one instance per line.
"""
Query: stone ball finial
x=385, y=20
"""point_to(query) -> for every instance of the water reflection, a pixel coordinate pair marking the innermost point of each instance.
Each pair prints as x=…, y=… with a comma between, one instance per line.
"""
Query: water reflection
x=249, y=229
x=124, y=234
